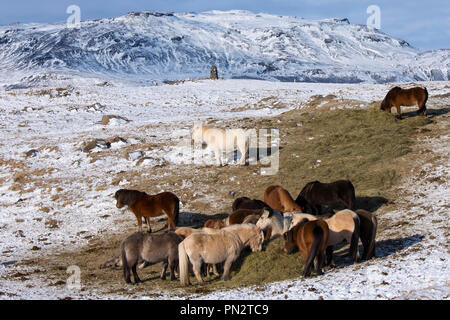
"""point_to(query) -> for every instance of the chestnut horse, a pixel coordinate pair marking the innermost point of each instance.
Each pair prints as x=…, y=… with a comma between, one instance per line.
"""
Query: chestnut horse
x=247, y=203
x=144, y=205
x=214, y=224
x=316, y=193
x=311, y=238
x=279, y=199
x=397, y=97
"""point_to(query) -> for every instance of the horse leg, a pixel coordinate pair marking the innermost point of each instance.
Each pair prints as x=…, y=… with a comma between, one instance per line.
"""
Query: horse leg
x=126, y=272
x=226, y=268
x=197, y=266
x=172, y=266
x=139, y=221
x=215, y=272
x=149, y=228
x=399, y=112
x=217, y=155
x=318, y=262
x=164, y=269
x=329, y=258
x=135, y=275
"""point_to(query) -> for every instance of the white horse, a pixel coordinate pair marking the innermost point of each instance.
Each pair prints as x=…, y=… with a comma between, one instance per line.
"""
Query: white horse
x=279, y=223
x=220, y=140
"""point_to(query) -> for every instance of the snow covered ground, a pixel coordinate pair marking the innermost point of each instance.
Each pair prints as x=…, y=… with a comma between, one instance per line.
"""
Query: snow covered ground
x=55, y=197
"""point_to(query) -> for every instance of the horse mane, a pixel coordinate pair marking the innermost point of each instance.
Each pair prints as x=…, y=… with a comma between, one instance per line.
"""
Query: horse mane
x=307, y=187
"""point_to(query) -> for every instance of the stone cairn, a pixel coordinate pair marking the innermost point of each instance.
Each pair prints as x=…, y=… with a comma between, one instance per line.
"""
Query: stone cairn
x=213, y=74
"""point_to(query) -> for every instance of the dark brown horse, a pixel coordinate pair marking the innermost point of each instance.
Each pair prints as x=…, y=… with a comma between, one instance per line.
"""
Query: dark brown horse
x=315, y=193
x=368, y=230
x=238, y=216
x=144, y=205
x=397, y=97
x=279, y=199
x=247, y=203
x=311, y=238
x=151, y=248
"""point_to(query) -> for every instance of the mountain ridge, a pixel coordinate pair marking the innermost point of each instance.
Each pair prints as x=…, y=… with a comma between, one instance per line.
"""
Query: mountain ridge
x=242, y=44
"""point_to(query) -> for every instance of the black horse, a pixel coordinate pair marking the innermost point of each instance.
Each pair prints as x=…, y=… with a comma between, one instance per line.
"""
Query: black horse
x=315, y=193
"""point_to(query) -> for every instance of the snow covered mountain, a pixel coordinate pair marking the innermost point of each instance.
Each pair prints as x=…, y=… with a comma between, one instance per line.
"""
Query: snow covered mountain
x=166, y=46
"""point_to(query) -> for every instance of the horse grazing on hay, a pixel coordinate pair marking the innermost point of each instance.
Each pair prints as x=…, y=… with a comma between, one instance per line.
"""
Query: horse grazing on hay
x=150, y=248
x=368, y=231
x=397, y=97
x=279, y=199
x=201, y=248
x=247, y=203
x=220, y=140
x=316, y=193
x=215, y=246
x=274, y=223
x=144, y=205
x=311, y=238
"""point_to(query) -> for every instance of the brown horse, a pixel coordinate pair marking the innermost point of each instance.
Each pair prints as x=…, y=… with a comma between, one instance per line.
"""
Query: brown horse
x=311, y=238
x=279, y=199
x=238, y=216
x=247, y=203
x=316, y=193
x=144, y=205
x=368, y=230
x=214, y=224
x=397, y=97
x=150, y=248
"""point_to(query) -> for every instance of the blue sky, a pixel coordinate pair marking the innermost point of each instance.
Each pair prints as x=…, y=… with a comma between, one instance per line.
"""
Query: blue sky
x=424, y=24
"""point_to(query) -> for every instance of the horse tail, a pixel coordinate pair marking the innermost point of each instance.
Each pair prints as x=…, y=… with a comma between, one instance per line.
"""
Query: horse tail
x=314, y=251
x=176, y=211
x=355, y=238
x=423, y=106
x=183, y=263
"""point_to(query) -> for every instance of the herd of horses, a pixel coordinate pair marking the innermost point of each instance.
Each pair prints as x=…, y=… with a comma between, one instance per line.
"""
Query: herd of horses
x=253, y=222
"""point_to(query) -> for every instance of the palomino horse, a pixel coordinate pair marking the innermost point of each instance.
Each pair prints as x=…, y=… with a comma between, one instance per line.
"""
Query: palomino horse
x=311, y=238
x=397, y=97
x=279, y=199
x=316, y=193
x=144, y=205
x=247, y=203
x=199, y=248
x=368, y=230
x=150, y=248
x=220, y=140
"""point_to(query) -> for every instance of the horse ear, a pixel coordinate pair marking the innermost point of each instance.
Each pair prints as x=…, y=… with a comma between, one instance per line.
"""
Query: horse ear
x=265, y=213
